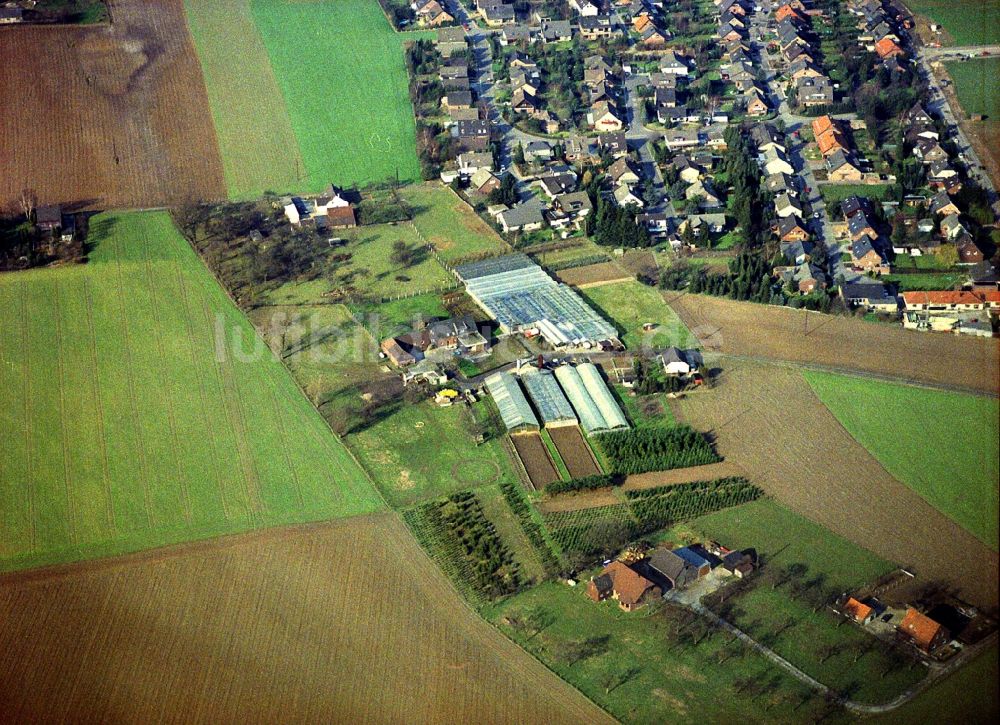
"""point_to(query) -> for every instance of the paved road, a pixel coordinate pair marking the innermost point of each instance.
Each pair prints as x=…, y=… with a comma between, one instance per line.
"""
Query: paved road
x=951, y=52
x=641, y=139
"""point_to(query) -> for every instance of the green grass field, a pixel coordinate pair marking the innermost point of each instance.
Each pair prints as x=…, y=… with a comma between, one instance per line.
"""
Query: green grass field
x=943, y=445
x=422, y=451
x=976, y=86
x=370, y=271
x=629, y=305
x=838, y=192
x=258, y=147
x=450, y=224
x=340, y=68
x=969, y=695
x=968, y=22
x=130, y=422
x=925, y=281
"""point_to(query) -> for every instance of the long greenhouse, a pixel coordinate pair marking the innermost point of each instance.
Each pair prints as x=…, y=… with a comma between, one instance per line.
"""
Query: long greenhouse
x=515, y=411
x=547, y=397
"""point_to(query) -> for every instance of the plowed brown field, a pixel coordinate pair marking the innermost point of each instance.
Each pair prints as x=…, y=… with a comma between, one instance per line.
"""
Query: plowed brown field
x=767, y=420
x=781, y=333
x=574, y=451
x=535, y=457
x=107, y=116
x=341, y=622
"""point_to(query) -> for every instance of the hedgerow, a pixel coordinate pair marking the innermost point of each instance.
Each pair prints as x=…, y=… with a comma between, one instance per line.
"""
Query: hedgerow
x=640, y=450
x=586, y=483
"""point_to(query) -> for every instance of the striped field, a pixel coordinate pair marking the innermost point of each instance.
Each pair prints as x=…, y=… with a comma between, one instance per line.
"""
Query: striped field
x=135, y=411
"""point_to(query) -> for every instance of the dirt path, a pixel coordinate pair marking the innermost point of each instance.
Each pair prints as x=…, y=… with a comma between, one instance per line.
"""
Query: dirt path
x=849, y=344
x=768, y=421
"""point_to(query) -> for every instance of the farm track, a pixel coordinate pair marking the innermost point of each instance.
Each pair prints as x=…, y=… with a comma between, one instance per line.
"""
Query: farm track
x=768, y=421
x=574, y=451
x=535, y=459
x=284, y=625
x=107, y=116
x=853, y=346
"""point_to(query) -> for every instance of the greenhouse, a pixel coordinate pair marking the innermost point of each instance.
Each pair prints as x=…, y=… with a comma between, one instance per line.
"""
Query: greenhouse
x=602, y=396
x=520, y=295
x=586, y=409
x=514, y=407
x=547, y=396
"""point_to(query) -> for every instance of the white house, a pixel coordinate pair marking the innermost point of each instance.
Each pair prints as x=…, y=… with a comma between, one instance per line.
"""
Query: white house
x=675, y=362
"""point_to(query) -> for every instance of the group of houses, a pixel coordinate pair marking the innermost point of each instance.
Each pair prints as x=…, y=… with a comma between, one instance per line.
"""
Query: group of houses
x=834, y=141
x=806, y=81
x=634, y=579
x=452, y=337
x=879, y=31
x=733, y=30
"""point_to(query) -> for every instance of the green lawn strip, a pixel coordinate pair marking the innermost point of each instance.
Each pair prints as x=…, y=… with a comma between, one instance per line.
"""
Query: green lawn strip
x=630, y=305
x=943, y=445
x=633, y=405
x=258, y=147
x=408, y=469
x=968, y=22
x=554, y=452
x=341, y=70
x=510, y=531
x=925, y=281
x=128, y=431
x=838, y=192
x=968, y=695
x=639, y=671
x=450, y=224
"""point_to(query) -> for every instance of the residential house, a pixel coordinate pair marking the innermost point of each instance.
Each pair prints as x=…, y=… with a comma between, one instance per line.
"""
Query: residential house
x=9, y=16
x=604, y=117
x=620, y=582
x=431, y=14
x=781, y=184
x=968, y=251
x=624, y=196
x=887, y=47
x=859, y=226
x=523, y=217
x=703, y=192
x=865, y=258
x=623, y=172
x=854, y=204
x=673, y=64
x=925, y=634
x=786, y=206
x=873, y=296
x=451, y=40
x=484, y=181
x=841, y=168
x=814, y=91
x=929, y=150
x=792, y=230
x=48, y=218
x=765, y=136
x=613, y=143
x=555, y=31
x=942, y=204
x=675, y=361
x=473, y=135
x=495, y=13
x=774, y=162
x=555, y=184
x=457, y=99
x=857, y=612
x=952, y=227
x=755, y=103
x=586, y=8
x=687, y=171
x=714, y=223
x=538, y=152
x=470, y=162
x=596, y=27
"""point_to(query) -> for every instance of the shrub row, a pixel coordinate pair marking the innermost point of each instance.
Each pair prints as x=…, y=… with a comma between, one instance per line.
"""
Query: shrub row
x=688, y=501
x=587, y=483
x=656, y=449
x=515, y=499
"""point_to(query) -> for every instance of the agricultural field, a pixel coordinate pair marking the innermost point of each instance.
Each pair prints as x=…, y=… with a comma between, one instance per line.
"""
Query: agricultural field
x=113, y=116
x=966, y=22
x=851, y=345
x=371, y=272
x=574, y=451
x=652, y=665
x=976, y=87
x=942, y=445
x=421, y=451
x=536, y=459
x=130, y=423
x=630, y=305
x=757, y=414
x=258, y=146
x=299, y=623
x=340, y=68
x=450, y=225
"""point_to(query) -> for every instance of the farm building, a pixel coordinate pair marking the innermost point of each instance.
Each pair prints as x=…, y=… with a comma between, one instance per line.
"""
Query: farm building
x=547, y=397
x=924, y=632
x=521, y=297
x=515, y=411
x=594, y=405
x=621, y=582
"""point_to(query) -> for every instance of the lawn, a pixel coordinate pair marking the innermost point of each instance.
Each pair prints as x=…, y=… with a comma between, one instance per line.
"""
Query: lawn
x=630, y=305
x=421, y=451
x=258, y=147
x=928, y=281
x=941, y=444
x=969, y=695
x=832, y=193
x=451, y=225
x=371, y=273
x=976, y=86
x=968, y=22
x=645, y=411
x=341, y=70
x=639, y=669
x=129, y=423
x=398, y=316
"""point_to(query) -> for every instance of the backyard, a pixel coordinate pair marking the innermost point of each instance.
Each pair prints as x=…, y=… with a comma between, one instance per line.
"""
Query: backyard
x=630, y=305
x=450, y=225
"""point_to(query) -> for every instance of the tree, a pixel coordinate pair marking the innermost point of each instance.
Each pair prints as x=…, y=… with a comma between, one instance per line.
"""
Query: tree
x=947, y=255
x=613, y=679
x=29, y=200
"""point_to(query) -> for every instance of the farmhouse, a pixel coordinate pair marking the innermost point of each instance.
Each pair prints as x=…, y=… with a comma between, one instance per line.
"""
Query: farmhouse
x=872, y=296
x=622, y=583
x=460, y=335
x=858, y=612
x=675, y=361
x=48, y=218
x=925, y=634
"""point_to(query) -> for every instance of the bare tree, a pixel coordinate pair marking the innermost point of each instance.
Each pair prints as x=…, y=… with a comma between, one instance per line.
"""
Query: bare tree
x=29, y=201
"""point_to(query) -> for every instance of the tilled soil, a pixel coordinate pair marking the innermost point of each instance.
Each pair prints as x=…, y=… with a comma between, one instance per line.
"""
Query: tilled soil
x=574, y=451
x=533, y=454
